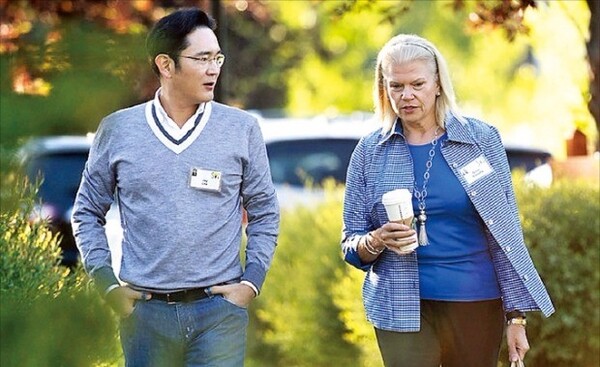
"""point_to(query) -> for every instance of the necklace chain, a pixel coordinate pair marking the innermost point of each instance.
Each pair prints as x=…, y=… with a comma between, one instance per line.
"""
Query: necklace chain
x=422, y=194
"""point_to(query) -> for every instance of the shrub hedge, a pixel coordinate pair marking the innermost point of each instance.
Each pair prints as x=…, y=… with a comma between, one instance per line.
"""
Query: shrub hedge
x=70, y=329
x=311, y=312
x=29, y=251
x=562, y=229
x=48, y=314
x=296, y=310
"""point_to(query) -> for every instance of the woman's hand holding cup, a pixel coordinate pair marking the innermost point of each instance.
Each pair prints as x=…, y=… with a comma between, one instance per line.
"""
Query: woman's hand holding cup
x=398, y=237
x=398, y=234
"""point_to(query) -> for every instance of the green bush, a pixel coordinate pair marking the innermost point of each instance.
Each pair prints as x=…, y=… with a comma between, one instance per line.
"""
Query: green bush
x=71, y=329
x=347, y=292
x=562, y=229
x=29, y=263
x=48, y=315
x=311, y=314
x=299, y=322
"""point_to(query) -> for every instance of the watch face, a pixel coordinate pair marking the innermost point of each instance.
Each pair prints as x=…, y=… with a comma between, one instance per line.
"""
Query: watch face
x=517, y=321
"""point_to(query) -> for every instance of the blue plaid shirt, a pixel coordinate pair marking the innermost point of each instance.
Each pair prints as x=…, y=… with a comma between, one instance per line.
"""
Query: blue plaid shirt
x=381, y=163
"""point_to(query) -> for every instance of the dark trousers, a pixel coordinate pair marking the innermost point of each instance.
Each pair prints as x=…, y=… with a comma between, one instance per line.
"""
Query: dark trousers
x=453, y=334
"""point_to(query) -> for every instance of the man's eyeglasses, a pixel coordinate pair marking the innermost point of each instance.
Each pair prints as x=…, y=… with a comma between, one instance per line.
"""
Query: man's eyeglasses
x=205, y=60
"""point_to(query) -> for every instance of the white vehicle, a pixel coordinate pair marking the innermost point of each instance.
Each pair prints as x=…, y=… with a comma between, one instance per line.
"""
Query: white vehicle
x=299, y=150
x=319, y=148
x=306, y=152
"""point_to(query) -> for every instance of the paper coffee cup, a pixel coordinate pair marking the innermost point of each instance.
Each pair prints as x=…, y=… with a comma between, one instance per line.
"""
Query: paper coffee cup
x=398, y=206
x=405, y=250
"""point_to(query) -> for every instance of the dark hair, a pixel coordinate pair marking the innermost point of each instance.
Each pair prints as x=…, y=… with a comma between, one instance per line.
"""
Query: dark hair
x=169, y=34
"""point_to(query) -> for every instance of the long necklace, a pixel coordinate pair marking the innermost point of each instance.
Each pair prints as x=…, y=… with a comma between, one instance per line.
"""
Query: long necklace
x=422, y=194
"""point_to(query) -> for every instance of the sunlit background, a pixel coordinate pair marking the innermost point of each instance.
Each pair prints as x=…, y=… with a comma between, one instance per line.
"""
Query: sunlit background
x=66, y=64
x=525, y=66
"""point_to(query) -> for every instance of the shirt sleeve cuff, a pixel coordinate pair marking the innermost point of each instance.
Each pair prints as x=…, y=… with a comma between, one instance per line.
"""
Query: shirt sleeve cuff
x=104, y=279
x=109, y=289
x=254, y=274
x=249, y=284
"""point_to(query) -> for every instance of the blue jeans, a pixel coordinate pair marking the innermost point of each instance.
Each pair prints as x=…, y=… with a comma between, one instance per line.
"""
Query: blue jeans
x=207, y=332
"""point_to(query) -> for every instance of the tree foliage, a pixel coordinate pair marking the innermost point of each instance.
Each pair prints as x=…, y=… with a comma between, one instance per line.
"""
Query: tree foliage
x=65, y=64
x=507, y=15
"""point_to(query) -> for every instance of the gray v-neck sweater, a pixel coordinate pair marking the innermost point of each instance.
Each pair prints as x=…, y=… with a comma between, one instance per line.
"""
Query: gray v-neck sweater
x=177, y=236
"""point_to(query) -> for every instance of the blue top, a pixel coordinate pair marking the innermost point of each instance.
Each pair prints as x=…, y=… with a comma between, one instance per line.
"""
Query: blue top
x=382, y=162
x=451, y=268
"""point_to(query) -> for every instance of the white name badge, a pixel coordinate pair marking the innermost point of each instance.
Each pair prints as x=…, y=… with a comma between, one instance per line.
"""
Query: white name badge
x=205, y=179
x=476, y=169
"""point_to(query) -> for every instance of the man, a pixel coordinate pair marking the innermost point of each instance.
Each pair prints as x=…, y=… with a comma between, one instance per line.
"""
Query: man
x=181, y=168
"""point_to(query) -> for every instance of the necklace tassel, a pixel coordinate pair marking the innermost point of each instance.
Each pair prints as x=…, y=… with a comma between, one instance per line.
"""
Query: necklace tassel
x=423, y=240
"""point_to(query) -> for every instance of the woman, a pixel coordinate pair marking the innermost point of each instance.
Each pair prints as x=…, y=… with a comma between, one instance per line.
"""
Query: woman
x=447, y=302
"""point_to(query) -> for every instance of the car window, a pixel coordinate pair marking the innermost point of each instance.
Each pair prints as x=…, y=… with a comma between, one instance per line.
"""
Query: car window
x=61, y=174
x=294, y=161
x=526, y=160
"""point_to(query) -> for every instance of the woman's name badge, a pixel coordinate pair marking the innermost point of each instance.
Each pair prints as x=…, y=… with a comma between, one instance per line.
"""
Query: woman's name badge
x=476, y=169
x=205, y=179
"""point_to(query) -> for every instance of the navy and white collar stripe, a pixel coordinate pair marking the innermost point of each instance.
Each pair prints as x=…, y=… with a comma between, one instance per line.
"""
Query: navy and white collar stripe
x=166, y=134
x=175, y=139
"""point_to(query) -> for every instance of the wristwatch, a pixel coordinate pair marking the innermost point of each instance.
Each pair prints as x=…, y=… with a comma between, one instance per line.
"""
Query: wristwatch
x=517, y=321
x=516, y=318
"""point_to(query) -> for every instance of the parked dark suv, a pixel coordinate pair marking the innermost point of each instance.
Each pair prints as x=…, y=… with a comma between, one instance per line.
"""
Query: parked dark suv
x=58, y=162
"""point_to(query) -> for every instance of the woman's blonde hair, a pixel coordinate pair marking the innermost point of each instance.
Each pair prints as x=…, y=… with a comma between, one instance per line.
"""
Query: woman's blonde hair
x=405, y=48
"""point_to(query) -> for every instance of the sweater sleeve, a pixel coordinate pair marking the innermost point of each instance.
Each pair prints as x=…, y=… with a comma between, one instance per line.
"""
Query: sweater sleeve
x=260, y=202
x=93, y=200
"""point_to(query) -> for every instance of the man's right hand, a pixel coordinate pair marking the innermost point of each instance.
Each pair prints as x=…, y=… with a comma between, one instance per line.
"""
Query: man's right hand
x=122, y=299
